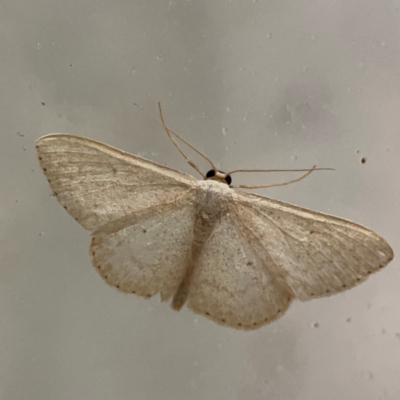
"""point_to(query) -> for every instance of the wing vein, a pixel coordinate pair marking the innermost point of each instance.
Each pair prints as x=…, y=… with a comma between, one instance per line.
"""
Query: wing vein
x=286, y=234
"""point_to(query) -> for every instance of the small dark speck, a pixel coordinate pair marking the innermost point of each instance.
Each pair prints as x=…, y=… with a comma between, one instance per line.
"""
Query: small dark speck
x=207, y=313
x=223, y=320
x=70, y=65
x=328, y=291
x=344, y=286
x=348, y=320
x=311, y=294
x=43, y=103
x=369, y=272
x=266, y=319
x=363, y=160
x=315, y=325
x=98, y=267
x=40, y=158
x=117, y=286
x=20, y=134
x=105, y=276
x=239, y=324
x=279, y=310
x=148, y=296
x=358, y=279
x=133, y=291
x=44, y=169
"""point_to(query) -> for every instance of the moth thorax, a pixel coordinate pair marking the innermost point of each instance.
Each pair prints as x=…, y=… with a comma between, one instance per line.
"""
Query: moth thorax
x=211, y=206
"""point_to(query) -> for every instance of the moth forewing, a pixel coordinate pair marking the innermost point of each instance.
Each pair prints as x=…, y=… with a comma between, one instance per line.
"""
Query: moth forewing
x=314, y=253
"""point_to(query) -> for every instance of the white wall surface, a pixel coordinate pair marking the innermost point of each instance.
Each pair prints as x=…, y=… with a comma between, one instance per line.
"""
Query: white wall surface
x=253, y=84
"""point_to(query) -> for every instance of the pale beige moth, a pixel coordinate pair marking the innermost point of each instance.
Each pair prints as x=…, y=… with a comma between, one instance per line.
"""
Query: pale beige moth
x=235, y=257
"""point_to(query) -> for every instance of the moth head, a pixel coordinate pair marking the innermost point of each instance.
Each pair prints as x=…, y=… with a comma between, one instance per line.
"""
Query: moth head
x=218, y=176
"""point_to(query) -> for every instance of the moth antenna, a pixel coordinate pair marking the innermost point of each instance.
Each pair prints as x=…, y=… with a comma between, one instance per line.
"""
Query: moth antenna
x=170, y=133
x=278, y=170
x=276, y=184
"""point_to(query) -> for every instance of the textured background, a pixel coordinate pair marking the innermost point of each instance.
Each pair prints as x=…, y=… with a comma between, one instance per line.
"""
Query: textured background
x=253, y=84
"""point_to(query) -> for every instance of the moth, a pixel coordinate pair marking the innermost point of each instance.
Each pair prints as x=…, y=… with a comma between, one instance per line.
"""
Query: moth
x=235, y=257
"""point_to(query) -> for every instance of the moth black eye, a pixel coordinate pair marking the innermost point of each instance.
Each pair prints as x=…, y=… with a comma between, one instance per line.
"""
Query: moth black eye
x=226, y=178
